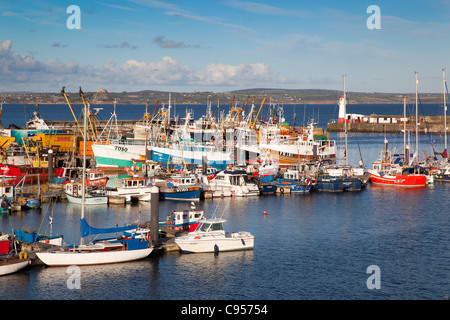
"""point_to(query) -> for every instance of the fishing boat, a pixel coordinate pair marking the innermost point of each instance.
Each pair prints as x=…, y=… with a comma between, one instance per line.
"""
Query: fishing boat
x=233, y=180
x=443, y=175
x=118, y=153
x=210, y=236
x=74, y=190
x=10, y=261
x=397, y=179
x=292, y=180
x=306, y=147
x=13, y=174
x=327, y=183
x=132, y=188
x=190, y=152
x=183, y=220
x=102, y=252
x=168, y=190
x=186, y=220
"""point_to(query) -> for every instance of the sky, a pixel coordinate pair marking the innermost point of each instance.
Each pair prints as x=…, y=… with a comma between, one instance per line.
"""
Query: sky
x=223, y=45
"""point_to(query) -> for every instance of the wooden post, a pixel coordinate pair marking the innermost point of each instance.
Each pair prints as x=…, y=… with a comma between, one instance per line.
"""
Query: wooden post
x=154, y=219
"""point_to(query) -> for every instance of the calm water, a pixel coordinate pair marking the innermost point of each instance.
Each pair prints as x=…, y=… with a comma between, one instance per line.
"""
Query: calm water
x=315, y=246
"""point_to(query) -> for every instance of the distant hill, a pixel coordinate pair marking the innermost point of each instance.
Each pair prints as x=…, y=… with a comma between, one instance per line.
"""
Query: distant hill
x=274, y=95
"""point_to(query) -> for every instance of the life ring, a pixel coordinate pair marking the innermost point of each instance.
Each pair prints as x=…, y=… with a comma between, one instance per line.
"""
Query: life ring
x=23, y=255
x=281, y=190
x=307, y=182
x=313, y=181
x=148, y=236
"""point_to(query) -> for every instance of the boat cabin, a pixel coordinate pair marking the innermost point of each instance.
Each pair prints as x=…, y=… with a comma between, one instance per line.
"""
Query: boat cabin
x=134, y=183
x=212, y=225
x=94, y=175
x=183, y=181
x=74, y=189
x=291, y=175
x=182, y=217
x=7, y=190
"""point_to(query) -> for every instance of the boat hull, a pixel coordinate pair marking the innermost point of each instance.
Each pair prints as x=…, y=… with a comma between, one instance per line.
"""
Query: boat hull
x=68, y=258
x=216, y=159
x=188, y=195
x=399, y=180
x=119, y=154
x=338, y=185
x=12, y=266
x=240, y=241
x=88, y=200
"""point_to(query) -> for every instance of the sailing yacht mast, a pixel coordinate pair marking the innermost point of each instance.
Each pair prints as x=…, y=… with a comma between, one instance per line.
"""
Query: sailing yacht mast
x=345, y=122
x=417, y=121
x=445, y=111
x=83, y=188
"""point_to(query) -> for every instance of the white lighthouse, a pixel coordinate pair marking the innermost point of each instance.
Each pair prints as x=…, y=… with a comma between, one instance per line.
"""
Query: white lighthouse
x=342, y=109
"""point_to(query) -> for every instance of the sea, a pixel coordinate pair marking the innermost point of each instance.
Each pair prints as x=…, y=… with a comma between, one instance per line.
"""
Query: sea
x=381, y=243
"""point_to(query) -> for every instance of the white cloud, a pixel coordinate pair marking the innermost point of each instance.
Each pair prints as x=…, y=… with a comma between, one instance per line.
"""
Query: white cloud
x=19, y=73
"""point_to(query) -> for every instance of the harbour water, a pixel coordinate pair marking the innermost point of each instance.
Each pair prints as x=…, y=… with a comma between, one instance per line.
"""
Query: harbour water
x=307, y=247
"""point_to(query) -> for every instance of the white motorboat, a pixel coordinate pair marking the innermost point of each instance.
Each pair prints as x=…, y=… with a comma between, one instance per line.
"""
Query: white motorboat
x=233, y=181
x=210, y=236
x=132, y=188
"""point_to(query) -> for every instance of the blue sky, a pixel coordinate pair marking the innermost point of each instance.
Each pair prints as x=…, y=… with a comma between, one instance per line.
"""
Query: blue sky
x=188, y=46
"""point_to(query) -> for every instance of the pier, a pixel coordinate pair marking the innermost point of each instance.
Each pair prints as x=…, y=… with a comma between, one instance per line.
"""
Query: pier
x=391, y=124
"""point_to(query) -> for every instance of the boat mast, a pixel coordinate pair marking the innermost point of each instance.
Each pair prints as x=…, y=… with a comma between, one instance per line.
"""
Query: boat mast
x=405, y=147
x=417, y=121
x=445, y=111
x=83, y=189
x=345, y=122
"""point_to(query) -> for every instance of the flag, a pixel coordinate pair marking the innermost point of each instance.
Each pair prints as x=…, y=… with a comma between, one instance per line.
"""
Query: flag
x=443, y=154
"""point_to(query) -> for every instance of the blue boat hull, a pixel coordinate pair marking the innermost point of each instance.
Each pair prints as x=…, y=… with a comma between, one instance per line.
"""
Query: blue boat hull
x=193, y=195
x=338, y=185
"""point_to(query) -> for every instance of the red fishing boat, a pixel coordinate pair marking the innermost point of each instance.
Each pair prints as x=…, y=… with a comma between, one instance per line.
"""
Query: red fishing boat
x=396, y=178
x=10, y=173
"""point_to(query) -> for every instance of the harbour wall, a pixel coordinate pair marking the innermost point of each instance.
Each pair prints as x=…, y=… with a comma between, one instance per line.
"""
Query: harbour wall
x=392, y=124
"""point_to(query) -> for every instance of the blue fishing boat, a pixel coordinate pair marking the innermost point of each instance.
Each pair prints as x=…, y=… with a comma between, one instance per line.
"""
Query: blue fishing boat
x=337, y=184
x=179, y=187
x=291, y=180
x=181, y=194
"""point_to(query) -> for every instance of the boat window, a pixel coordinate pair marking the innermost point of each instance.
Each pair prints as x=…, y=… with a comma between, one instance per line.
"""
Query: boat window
x=217, y=226
x=205, y=226
x=197, y=215
x=185, y=216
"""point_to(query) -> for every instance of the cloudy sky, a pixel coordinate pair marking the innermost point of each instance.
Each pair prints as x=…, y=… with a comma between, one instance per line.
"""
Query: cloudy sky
x=220, y=45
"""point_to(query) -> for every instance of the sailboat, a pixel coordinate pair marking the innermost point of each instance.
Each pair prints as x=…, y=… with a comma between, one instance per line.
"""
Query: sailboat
x=389, y=172
x=101, y=252
x=10, y=262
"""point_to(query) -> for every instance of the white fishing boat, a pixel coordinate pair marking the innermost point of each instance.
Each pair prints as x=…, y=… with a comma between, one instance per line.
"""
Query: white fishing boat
x=233, y=181
x=121, y=250
x=132, y=188
x=118, y=153
x=74, y=192
x=210, y=236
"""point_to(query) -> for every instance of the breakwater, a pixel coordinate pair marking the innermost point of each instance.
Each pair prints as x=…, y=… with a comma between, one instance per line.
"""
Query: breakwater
x=392, y=124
